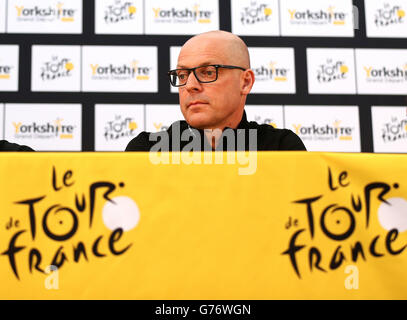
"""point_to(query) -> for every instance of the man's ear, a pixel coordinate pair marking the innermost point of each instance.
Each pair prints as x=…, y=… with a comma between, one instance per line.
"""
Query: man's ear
x=247, y=81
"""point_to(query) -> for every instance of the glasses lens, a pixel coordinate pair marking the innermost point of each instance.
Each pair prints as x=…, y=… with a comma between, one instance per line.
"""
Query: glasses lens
x=177, y=76
x=206, y=74
x=173, y=78
x=181, y=77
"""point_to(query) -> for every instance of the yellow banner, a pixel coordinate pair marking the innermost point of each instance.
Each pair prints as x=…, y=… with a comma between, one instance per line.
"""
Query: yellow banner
x=282, y=225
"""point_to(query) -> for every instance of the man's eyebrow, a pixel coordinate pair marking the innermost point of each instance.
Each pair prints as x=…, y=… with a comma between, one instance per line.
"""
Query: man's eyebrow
x=206, y=63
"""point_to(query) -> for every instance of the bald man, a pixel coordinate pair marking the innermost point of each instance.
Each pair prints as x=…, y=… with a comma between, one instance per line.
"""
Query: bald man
x=213, y=77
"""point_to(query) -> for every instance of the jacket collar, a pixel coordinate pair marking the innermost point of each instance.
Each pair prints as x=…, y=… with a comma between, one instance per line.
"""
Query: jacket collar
x=243, y=124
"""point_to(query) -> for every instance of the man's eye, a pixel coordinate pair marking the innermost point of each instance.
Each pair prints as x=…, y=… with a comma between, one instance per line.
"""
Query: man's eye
x=182, y=76
x=206, y=72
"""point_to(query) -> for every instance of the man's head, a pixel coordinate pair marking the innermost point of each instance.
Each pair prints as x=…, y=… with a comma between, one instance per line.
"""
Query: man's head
x=217, y=104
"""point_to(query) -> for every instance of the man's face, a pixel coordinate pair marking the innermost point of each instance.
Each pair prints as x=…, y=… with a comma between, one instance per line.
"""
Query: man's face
x=210, y=105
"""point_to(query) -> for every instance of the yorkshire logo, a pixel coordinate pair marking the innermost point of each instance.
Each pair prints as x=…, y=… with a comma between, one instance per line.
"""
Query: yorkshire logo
x=255, y=13
x=52, y=231
x=44, y=131
x=120, y=72
x=338, y=217
x=120, y=127
x=56, y=68
x=187, y=15
x=326, y=132
x=332, y=70
x=271, y=72
x=36, y=13
x=5, y=71
x=119, y=11
x=395, y=130
x=321, y=17
x=389, y=15
x=385, y=74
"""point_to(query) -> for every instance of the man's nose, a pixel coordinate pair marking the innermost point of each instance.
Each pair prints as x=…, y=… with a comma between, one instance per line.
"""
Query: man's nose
x=193, y=83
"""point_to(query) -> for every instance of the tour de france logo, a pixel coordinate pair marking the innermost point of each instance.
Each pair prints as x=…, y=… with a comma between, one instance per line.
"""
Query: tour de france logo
x=340, y=225
x=46, y=233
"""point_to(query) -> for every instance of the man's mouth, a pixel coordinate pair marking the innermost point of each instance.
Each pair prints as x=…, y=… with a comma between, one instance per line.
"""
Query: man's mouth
x=195, y=103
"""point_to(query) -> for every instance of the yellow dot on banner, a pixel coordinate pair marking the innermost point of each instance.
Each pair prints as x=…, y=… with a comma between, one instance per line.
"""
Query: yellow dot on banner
x=132, y=125
x=132, y=9
x=344, y=69
x=401, y=13
x=405, y=127
x=268, y=11
x=69, y=66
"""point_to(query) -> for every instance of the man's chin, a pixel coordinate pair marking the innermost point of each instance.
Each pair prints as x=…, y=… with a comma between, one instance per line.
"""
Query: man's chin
x=198, y=121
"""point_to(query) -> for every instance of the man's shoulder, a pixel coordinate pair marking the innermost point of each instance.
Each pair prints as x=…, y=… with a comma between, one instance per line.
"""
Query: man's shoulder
x=145, y=140
x=271, y=138
x=268, y=137
x=269, y=129
x=8, y=146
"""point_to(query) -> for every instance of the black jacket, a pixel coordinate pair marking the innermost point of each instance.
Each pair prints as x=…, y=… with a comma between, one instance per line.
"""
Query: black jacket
x=268, y=138
x=7, y=146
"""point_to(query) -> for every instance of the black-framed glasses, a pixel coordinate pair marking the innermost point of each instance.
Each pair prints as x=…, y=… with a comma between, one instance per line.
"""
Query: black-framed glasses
x=203, y=74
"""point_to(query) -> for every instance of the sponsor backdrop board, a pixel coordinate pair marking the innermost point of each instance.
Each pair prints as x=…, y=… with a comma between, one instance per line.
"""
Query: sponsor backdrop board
x=181, y=17
x=117, y=52
x=56, y=68
x=336, y=128
x=45, y=127
x=317, y=18
x=44, y=16
x=386, y=19
x=9, y=66
x=382, y=71
x=331, y=71
x=119, y=17
x=389, y=129
x=119, y=69
x=116, y=125
x=274, y=70
x=254, y=18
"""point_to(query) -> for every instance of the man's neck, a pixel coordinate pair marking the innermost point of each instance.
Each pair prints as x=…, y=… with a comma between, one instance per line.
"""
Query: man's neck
x=213, y=136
